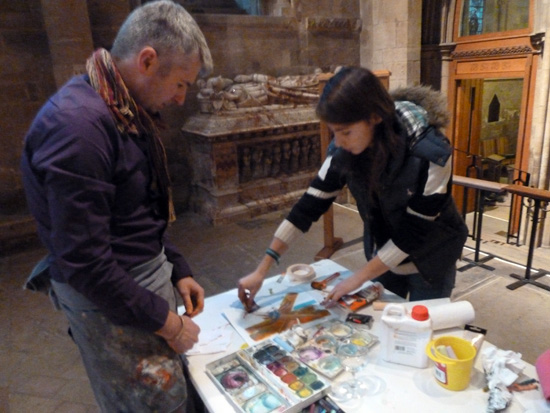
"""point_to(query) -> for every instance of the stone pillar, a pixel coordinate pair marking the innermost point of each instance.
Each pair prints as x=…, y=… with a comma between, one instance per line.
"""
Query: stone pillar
x=446, y=42
x=69, y=36
x=540, y=133
x=391, y=38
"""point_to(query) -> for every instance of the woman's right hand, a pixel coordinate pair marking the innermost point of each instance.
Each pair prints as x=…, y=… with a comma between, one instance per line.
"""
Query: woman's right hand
x=249, y=286
x=342, y=288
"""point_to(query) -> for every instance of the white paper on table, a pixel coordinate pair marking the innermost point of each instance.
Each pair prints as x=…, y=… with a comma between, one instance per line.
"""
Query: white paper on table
x=218, y=336
x=532, y=401
x=216, y=340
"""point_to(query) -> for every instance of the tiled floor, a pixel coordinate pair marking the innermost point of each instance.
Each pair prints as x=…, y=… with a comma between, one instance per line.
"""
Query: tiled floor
x=40, y=369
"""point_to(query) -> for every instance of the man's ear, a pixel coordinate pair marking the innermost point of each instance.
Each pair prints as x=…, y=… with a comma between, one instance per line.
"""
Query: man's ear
x=148, y=61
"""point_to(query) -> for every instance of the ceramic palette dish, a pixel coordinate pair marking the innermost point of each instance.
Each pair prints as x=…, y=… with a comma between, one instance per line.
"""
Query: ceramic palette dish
x=319, y=352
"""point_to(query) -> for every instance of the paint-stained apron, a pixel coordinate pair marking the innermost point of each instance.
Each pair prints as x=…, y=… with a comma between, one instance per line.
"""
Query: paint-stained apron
x=130, y=370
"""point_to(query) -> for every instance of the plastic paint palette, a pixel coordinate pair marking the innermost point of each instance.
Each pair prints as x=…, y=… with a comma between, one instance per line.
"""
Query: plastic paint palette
x=265, y=378
x=243, y=387
x=287, y=370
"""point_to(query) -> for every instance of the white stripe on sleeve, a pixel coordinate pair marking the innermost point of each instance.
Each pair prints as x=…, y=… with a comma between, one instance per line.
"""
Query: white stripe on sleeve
x=324, y=168
x=317, y=193
x=438, y=178
x=287, y=232
x=391, y=255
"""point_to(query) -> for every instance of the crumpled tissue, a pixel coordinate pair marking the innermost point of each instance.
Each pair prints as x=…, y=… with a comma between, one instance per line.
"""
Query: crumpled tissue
x=502, y=368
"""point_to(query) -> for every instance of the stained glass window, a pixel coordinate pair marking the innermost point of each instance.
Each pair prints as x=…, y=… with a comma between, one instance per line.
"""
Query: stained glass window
x=491, y=16
x=474, y=16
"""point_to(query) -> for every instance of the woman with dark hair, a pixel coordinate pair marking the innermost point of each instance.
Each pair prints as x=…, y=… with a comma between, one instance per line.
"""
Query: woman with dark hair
x=390, y=152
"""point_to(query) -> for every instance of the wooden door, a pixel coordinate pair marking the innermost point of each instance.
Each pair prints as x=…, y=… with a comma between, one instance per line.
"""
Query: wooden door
x=467, y=127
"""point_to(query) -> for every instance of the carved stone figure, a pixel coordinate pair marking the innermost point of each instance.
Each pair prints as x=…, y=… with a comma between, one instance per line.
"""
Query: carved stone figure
x=305, y=146
x=315, y=152
x=218, y=94
x=257, y=162
x=268, y=162
x=295, y=157
x=285, y=158
x=276, y=160
x=246, y=171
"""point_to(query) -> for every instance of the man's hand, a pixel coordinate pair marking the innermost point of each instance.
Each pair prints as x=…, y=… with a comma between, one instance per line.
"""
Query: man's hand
x=192, y=294
x=186, y=338
x=180, y=332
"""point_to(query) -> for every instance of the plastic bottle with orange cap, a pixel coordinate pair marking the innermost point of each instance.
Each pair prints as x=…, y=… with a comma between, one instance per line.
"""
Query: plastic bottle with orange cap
x=405, y=335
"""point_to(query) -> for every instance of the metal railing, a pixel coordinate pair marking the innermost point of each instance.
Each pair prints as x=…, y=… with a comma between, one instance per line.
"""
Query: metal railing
x=515, y=216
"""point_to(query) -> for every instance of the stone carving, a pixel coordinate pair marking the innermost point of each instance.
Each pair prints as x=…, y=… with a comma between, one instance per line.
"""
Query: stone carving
x=295, y=156
x=276, y=160
x=315, y=152
x=246, y=170
x=332, y=24
x=305, y=146
x=257, y=162
x=497, y=51
x=286, y=157
x=219, y=94
x=242, y=160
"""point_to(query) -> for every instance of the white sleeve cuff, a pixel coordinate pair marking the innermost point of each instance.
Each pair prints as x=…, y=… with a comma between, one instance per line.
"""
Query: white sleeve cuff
x=287, y=232
x=391, y=255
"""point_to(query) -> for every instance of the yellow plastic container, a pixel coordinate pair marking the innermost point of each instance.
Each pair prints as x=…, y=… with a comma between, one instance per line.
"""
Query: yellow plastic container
x=452, y=373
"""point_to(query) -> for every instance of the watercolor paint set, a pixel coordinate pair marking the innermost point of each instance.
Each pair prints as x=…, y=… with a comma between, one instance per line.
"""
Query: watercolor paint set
x=266, y=378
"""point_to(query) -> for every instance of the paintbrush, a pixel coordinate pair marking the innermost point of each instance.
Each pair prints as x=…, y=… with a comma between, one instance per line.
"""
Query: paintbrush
x=321, y=285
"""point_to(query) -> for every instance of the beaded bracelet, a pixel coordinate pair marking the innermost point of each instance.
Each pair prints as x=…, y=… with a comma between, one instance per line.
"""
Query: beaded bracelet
x=273, y=254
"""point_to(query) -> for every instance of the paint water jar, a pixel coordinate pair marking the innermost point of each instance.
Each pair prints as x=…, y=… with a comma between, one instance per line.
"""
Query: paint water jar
x=405, y=335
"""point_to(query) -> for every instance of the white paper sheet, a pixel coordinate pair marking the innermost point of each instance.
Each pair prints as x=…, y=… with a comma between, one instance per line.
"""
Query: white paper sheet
x=217, y=338
x=213, y=341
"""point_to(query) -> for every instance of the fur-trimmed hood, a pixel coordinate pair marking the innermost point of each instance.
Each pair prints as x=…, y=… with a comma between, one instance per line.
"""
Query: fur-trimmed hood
x=433, y=101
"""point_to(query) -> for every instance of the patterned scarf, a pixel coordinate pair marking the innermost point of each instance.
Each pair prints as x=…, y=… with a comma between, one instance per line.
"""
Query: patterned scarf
x=131, y=119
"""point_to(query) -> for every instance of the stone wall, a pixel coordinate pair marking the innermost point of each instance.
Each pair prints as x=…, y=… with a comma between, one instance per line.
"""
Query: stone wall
x=26, y=80
x=32, y=33
x=42, y=44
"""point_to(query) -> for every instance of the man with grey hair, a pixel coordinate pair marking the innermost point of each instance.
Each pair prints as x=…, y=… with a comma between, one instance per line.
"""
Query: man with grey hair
x=97, y=183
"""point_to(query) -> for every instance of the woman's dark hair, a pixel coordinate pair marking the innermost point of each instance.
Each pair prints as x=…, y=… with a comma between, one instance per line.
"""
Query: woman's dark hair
x=354, y=94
